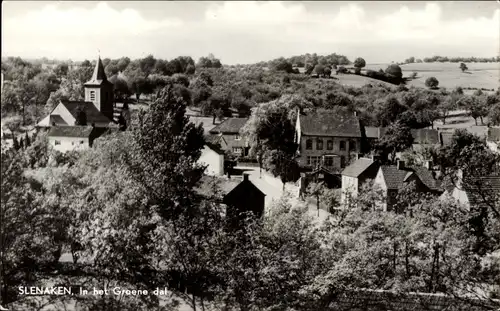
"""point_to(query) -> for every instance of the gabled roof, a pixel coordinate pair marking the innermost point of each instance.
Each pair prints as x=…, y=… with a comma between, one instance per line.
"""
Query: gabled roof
x=245, y=184
x=99, y=76
x=70, y=131
x=425, y=136
x=212, y=142
x=328, y=123
x=494, y=134
x=358, y=167
x=93, y=114
x=395, y=178
x=482, y=190
x=57, y=119
x=230, y=126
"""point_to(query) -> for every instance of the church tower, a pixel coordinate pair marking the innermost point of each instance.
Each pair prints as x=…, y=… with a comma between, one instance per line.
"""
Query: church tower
x=99, y=91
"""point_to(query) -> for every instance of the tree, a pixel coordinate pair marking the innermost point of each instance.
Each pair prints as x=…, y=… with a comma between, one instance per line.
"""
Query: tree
x=395, y=71
x=359, y=63
x=494, y=115
x=463, y=67
x=431, y=82
x=81, y=117
x=389, y=110
x=61, y=70
x=319, y=70
x=397, y=138
x=475, y=106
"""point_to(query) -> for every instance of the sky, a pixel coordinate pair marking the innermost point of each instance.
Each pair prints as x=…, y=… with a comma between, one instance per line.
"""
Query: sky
x=250, y=31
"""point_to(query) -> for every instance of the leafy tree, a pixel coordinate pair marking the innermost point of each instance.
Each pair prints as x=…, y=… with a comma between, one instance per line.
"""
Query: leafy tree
x=395, y=71
x=494, y=115
x=431, y=82
x=359, y=62
x=397, y=138
x=319, y=70
x=61, y=70
x=463, y=67
x=389, y=110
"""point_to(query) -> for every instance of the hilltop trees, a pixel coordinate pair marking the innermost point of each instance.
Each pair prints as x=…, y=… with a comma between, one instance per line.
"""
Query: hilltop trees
x=396, y=139
x=394, y=73
x=463, y=67
x=358, y=64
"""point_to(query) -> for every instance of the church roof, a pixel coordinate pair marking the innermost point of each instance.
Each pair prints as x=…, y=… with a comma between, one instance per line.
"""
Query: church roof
x=93, y=114
x=99, y=76
x=70, y=131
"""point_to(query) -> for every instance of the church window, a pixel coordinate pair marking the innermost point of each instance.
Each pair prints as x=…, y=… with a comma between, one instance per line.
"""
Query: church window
x=92, y=95
x=57, y=142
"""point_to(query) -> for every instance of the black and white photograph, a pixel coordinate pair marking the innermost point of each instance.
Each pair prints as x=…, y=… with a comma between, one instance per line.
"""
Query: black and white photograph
x=250, y=156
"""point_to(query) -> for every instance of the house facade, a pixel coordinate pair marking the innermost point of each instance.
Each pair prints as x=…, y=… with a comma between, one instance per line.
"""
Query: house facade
x=475, y=191
x=229, y=137
x=355, y=175
x=493, y=139
x=393, y=178
x=213, y=158
x=69, y=138
x=327, y=139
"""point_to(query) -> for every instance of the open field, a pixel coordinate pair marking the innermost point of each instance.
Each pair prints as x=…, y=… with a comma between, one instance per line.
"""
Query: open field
x=479, y=75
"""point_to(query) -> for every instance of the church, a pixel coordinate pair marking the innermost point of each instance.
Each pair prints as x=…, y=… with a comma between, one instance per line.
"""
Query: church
x=76, y=124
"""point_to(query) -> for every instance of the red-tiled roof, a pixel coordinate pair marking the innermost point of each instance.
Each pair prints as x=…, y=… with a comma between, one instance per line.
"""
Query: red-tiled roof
x=358, y=167
x=70, y=131
x=229, y=126
x=93, y=114
x=327, y=123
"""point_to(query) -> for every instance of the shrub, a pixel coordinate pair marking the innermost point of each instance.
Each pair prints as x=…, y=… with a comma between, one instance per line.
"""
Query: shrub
x=431, y=82
x=357, y=70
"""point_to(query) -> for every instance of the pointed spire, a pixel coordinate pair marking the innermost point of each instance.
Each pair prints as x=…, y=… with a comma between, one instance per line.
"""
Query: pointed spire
x=99, y=74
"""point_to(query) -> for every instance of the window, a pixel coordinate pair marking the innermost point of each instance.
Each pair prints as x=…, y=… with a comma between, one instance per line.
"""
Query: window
x=237, y=137
x=308, y=160
x=57, y=142
x=92, y=95
x=329, y=144
x=319, y=144
x=342, y=161
x=352, y=145
x=314, y=161
x=81, y=142
x=328, y=161
x=237, y=150
x=342, y=145
x=309, y=144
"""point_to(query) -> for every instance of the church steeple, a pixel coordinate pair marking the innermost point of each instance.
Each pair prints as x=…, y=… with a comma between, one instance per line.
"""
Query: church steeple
x=99, y=75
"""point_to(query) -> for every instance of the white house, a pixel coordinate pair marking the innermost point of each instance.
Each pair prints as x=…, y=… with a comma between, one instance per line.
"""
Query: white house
x=213, y=157
x=67, y=138
x=355, y=175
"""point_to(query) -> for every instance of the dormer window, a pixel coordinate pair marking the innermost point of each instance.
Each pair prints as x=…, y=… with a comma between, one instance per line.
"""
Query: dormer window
x=237, y=137
x=92, y=95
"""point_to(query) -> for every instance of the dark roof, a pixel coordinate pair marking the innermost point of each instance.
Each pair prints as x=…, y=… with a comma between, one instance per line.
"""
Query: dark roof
x=482, y=190
x=358, y=167
x=494, y=134
x=57, y=119
x=222, y=184
x=70, y=131
x=327, y=123
x=99, y=76
x=425, y=136
x=93, y=114
x=246, y=184
x=395, y=178
x=230, y=126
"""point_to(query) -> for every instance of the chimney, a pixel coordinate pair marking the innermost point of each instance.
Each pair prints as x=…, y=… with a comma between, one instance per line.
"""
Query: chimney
x=245, y=177
x=400, y=164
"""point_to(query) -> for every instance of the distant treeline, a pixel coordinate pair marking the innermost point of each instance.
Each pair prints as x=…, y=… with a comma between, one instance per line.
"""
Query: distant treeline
x=302, y=60
x=444, y=59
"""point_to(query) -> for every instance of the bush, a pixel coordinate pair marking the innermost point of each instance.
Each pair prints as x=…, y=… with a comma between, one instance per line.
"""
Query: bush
x=357, y=71
x=431, y=82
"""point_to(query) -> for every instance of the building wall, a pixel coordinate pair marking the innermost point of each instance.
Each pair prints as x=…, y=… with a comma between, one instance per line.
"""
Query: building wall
x=380, y=182
x=64, y=113
x=214, y=161
x=69, y=143
x=349, y=185
x=314, y=152
x=232, y=143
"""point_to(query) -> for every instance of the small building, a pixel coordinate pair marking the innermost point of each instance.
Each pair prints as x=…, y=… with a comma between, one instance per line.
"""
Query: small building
x=355, y=175
x=238, y=195
x=392, y=178
x=245, y=197
x=68, y=138
x=327, y=139
x=475, y=191
x=213, y=157
x=230, y=138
